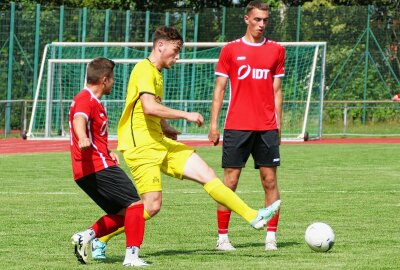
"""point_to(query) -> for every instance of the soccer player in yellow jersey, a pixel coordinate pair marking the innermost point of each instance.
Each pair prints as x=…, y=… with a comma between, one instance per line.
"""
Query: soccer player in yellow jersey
x=149, y=144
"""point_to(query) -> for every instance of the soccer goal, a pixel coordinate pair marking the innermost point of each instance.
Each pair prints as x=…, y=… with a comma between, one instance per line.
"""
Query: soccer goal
x=189, y=86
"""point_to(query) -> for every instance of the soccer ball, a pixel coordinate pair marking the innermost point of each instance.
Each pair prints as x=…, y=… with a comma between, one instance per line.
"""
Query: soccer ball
x=319, y=237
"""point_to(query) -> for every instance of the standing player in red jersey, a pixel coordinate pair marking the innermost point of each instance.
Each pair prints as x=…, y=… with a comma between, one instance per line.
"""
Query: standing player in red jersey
x=96, y=170
x=254, y=65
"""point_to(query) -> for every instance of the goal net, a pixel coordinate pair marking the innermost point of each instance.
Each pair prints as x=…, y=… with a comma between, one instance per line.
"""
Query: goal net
x=188, y=86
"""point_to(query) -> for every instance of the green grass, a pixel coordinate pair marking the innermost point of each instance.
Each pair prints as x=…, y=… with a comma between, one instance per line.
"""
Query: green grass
x=354, y=188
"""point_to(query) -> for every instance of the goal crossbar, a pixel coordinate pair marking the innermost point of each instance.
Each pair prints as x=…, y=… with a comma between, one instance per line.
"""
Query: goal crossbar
x=305, y=89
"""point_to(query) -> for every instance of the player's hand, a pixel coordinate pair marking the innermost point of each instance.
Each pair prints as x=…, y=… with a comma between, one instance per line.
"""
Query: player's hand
x=84, y=143
x=396, y=98
x=213, y=136
x=195, y=117
x=171, y=133
x=114, y=157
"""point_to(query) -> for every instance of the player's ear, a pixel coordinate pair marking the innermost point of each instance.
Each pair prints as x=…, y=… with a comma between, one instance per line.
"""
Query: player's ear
x=160, y=45
x=246, y=19
x=104, y=80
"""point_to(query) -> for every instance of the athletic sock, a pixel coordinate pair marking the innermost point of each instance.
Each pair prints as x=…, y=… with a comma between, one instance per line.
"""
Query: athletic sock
x=107, y=224
x=272, y=225
x=223, y=218
x=225, y=196
x=271, y=236
x=107, y=237
x=134, y=225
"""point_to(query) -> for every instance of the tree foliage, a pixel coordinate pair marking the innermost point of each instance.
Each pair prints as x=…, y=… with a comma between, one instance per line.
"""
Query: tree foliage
x=196, y=5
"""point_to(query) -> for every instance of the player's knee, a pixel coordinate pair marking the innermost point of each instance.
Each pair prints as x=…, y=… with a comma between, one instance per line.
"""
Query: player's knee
x=269, y=182
x=153, y=212
x=153, y=208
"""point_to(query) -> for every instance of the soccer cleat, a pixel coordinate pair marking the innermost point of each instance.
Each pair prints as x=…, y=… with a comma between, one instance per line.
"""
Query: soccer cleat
x=265, y=214
x=135, y=262
x=98, y=249
x=81, y=247
x=224, y=245
x=132, y=258
x=270, y=244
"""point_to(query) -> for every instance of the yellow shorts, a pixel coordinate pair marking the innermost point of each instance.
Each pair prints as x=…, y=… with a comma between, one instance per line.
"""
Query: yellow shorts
x=148, y=161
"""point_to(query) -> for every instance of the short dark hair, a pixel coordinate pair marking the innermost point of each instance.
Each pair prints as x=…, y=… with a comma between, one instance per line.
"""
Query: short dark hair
x=167, y=33
x=98, y=68
x=256, y=4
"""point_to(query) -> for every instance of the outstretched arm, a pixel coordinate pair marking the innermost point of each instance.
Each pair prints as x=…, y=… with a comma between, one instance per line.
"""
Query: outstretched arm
x=219, y=91
x=396, y=97
x=152, y=107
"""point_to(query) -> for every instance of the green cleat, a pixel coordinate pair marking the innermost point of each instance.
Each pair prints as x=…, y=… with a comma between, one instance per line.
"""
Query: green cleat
x=98, y=250
x=265, y=214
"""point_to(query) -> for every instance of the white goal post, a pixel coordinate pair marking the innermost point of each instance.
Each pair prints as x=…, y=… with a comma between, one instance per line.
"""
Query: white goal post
x=187, y=86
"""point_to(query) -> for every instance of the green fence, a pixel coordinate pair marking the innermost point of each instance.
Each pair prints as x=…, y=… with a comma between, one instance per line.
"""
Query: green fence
x=362, y=58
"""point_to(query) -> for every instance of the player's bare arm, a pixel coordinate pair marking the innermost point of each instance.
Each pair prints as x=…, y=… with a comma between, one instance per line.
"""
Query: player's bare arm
x=219, y=92
x=152, y=107
x=278, y=102
x=168, y=130
x=114, y=157
x=80, y=131
x=396, y=97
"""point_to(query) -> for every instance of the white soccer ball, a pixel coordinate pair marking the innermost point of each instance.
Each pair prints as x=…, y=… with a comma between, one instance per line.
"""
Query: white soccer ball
x=319, y=237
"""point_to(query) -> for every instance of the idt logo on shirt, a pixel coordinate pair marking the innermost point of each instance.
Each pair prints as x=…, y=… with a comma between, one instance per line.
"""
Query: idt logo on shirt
x=256, y=73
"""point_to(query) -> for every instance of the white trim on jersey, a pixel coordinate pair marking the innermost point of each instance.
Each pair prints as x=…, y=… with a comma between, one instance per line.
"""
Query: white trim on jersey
x=71, y=139
x=252, y=43
x=221, y=74
x=91, y=93
x=83, y=114
x=278, y=76
x=103, y=159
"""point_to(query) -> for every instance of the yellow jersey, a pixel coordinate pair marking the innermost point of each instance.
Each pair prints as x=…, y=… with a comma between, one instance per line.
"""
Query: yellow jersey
x=136, y=128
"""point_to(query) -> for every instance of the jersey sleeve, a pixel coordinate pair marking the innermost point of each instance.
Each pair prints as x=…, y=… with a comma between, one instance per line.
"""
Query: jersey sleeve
x=145, y=80
x=83, y=107
x=223, y=63
x=280, y=67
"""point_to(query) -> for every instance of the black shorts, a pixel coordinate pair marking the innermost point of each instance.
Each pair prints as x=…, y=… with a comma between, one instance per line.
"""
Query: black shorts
x=111, y=189
x=239, y=144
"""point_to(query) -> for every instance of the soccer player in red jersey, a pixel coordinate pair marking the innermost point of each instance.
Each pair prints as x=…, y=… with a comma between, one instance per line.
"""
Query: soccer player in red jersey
x=254, y=66
x=96, y=170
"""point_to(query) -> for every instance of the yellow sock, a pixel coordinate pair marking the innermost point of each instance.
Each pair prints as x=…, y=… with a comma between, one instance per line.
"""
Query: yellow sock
x=225, y=196
x=146, y=215
x=107, y=237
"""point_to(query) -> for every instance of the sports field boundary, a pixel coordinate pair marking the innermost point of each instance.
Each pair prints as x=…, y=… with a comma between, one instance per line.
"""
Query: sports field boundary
x=20, y=146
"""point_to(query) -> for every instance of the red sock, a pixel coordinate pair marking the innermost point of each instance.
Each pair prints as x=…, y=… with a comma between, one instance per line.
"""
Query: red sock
x=223, y=218
x=134, y=225
x=272, y=225
x=107, y=224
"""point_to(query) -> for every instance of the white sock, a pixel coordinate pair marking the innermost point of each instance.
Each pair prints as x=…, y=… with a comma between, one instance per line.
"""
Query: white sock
x=223, y=236
x=271, y=236
x=89, y=234
x=132, y=252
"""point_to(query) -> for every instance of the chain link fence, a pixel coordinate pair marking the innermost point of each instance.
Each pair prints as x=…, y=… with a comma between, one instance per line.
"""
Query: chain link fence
x=362, y=58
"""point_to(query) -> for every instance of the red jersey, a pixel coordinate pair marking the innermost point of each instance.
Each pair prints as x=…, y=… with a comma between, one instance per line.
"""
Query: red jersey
x=96, y=157
x=251, y=69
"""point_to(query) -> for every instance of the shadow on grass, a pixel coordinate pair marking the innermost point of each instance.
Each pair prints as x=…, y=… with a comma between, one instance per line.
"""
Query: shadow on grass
x=209, y=252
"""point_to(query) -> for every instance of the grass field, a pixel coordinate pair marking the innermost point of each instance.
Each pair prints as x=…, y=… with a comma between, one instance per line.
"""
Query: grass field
x=354, y=188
